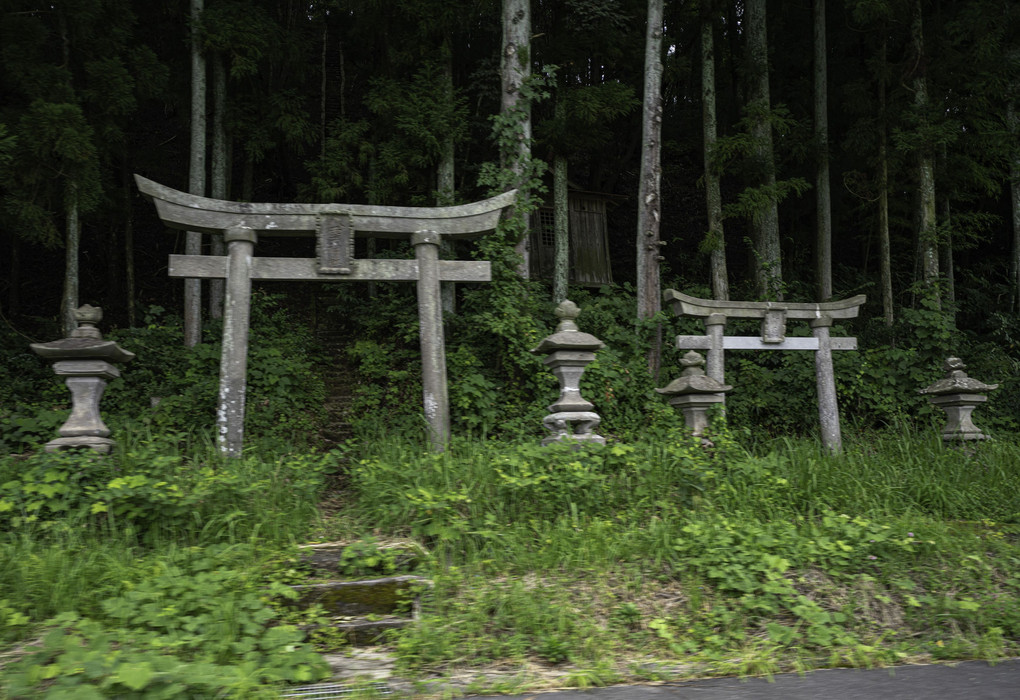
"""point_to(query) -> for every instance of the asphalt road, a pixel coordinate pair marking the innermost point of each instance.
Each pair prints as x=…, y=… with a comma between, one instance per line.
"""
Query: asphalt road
x=971, y=680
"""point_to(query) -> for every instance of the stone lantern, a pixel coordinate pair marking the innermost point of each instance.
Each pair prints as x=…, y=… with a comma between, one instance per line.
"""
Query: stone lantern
x=694, y=392
x=958, y=395
x=569, y=352
x=87, y=362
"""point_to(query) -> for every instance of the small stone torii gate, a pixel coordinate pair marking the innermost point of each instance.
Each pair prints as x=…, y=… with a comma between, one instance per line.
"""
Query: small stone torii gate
x=335, y=226
x=773, y=315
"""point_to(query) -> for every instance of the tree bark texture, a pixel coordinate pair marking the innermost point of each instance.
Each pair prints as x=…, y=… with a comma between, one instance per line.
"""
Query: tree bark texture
x=946, y=244
x=218, y=172
x=713, y=194
x=1013, y=119
x=823, y=224
x=196, y=177
x=515, y=69
x=768, y=255
x=69, y=301
x=885, y=248
x=445, y=179
x=649, y=301
x=128, y=188
x=927, y=238
x=561, y=225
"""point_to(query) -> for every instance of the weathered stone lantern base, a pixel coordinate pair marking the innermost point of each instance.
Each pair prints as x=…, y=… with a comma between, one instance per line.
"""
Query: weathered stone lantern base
x=100, y=445
x=958, y=408
x=695, y=408
x=572, y=425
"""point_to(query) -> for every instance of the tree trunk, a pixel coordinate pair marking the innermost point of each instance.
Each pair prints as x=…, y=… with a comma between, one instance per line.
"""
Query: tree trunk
x=218, y=173
x=196, y=178
x=948, y=265
x=927, y=239
x=128, y=187
x=768, y=256
x=885, y=249
x=114, y=266
x=322, y=85
x=823, y=230
x=69, y=302
x=946, y=245
x=649, y=301
x=561, y=226
x=1014, y=187
x=515, y=69
x=445, y=181
x=561, y=212
x=13, y=291
x=713, y=195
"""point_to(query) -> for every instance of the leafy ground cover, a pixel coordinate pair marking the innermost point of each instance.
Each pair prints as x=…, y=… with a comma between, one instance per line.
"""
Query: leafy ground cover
x=161, y=571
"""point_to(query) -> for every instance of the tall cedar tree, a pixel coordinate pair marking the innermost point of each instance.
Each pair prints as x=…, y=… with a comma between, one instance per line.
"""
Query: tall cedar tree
x=649, y=300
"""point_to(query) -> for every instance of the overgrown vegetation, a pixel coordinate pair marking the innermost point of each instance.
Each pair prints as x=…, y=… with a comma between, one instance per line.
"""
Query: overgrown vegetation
x=162, y=569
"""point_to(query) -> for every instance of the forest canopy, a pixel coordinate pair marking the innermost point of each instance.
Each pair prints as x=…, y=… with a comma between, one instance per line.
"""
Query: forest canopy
x=907, y=171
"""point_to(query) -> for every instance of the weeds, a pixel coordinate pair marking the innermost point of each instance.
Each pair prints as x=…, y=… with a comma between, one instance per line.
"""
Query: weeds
x=601, y=563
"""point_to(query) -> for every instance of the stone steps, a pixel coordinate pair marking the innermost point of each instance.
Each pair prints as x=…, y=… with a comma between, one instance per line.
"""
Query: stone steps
x=361, y=608
x=339, y=376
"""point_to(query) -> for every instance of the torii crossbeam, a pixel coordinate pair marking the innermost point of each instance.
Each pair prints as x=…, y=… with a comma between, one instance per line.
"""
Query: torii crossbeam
x=335, y=226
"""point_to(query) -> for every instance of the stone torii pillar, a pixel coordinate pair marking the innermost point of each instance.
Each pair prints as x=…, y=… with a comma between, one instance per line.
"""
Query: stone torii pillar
x=335, y=227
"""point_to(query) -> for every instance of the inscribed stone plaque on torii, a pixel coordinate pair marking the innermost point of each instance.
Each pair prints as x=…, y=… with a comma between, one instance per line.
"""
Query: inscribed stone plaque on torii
x=335, y=226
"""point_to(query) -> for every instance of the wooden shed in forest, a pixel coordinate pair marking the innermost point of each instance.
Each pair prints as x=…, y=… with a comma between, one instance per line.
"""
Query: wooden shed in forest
x=589, y=240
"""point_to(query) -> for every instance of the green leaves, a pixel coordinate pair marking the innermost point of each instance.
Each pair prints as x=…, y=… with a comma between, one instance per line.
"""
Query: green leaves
x=197, y=627
x=135, y=676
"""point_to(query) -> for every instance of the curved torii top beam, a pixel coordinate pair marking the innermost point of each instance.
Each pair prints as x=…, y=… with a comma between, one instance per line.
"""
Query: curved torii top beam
x=686, y=305
x=193, y=213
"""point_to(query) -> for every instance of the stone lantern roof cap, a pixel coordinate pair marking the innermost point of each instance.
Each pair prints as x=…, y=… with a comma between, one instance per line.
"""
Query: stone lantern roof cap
x=85, y=342
x=567, y=335
x=956, y=381
x=692, y=379
x=82, y=349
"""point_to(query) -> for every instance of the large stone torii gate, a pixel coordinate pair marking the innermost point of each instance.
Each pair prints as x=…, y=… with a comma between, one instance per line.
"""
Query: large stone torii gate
x=335, y=226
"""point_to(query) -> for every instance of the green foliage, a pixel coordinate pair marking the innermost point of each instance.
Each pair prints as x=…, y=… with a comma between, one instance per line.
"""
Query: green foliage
x=50, y=137
x=169, y=387
x=474, y=394
x=193, y=626
x=753, y=562
x=152, y=487
x=7, y=143
x=754, y=202
x=367, y=557
x=242, y=31
x=796, y=547
x=471, y=495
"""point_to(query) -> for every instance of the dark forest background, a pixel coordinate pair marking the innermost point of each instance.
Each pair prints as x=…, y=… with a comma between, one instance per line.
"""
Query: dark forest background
x=351, y=101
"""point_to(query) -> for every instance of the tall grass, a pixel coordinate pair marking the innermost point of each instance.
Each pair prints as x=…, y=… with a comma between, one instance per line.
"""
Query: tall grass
x=899, y=544
x=528, y=506
x=886, y=473
x=566, y=552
